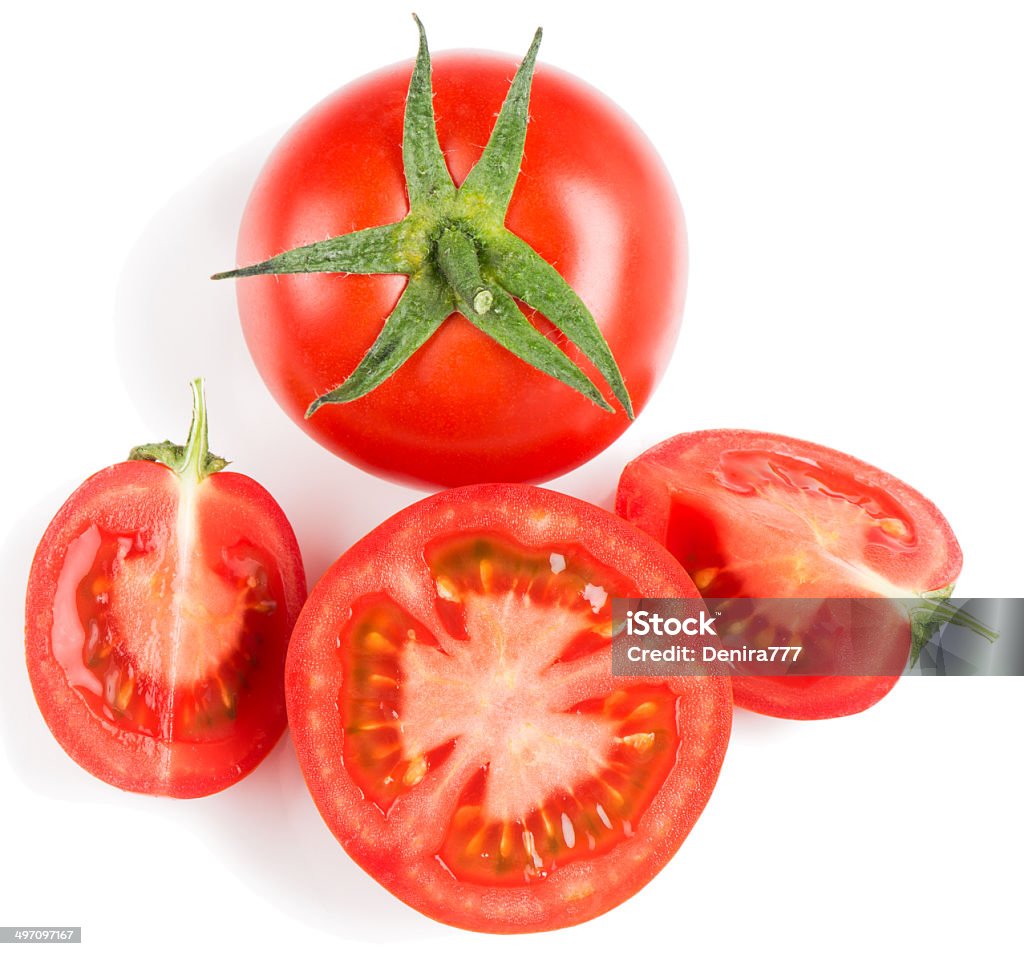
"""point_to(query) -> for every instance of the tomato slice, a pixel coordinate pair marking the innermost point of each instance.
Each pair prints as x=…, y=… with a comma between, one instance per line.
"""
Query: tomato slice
x=452, y=704
x=756, y=515
x=158, y=615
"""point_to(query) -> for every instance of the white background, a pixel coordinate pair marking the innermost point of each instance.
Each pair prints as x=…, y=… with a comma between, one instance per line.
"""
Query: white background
x=851, y=175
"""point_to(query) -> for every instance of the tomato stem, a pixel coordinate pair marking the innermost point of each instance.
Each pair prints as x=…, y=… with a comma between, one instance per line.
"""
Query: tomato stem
x=197, y=445
x=932, y=612
x=193, y=460
x=458, y=261
x=948, y=613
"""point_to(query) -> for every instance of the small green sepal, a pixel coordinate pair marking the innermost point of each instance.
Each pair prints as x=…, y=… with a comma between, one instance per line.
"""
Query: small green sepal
x=193, y=459
x=933, y=612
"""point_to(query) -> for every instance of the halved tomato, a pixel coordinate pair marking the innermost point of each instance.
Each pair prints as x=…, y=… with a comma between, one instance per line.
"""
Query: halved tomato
x=756, y=515
x=160, y=603
x=451, y=699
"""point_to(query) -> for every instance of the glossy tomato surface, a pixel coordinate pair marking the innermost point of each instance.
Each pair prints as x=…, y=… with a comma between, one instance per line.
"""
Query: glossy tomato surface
x=755, y=515
x=157, y=622
x=593, y=199
x=452, y=704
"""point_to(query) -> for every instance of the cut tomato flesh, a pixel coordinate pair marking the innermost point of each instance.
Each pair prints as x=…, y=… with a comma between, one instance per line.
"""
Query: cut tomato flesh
x=560, y=779
x=158, y=610
x=737, y=517
x=153, y=650
x=838, y=530
x=626, y=744
x=157, y=622
x=183, y=619
x=453, y=708
x=377, y=750
x=754, y=515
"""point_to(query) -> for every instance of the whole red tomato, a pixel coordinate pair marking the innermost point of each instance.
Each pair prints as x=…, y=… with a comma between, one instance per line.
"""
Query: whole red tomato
x=592, y=198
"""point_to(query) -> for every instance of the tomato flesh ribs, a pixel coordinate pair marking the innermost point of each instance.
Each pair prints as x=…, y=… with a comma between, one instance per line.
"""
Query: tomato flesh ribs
x=158, y=616
x=756, y=515
x=492, y=771
x=208, y=634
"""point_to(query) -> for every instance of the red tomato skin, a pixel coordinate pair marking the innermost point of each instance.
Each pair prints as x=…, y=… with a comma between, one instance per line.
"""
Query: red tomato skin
x=593, y=198
x=644, y=498
x=361, y=828
x=817, y=698
x=142, y=496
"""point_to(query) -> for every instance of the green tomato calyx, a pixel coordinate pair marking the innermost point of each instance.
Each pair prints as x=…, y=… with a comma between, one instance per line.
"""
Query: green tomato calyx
x=193, y=460
x=459, y=256
x=932, y=612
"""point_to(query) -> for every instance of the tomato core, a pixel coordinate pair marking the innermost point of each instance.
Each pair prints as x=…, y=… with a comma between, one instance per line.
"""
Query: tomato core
x=155, y=649
x=558, y=780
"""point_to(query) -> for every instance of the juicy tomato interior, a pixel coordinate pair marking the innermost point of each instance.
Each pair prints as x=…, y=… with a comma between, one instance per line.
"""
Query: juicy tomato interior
x=560, y=779
x=829, y=529
x=569, y=823
x=160, y=651
x=458, y=724
x=750, y=515
x=158, y=619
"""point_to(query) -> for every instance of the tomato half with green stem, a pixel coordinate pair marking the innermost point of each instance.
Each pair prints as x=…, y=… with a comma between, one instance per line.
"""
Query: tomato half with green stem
x=755, y=515
x=496, y=301
x=452, y=704
x=160, y=604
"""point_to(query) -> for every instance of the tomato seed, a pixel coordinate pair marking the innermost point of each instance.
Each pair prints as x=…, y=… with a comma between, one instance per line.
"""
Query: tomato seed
x=416, y=771
x=486, y=575
x=641, y=743
x=704, y=577
x=377, y=643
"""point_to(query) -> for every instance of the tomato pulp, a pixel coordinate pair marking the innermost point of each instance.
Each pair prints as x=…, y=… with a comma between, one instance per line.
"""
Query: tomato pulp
x=157, y=619
x=755, y=515
x=592, y=198
x=452, y=704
